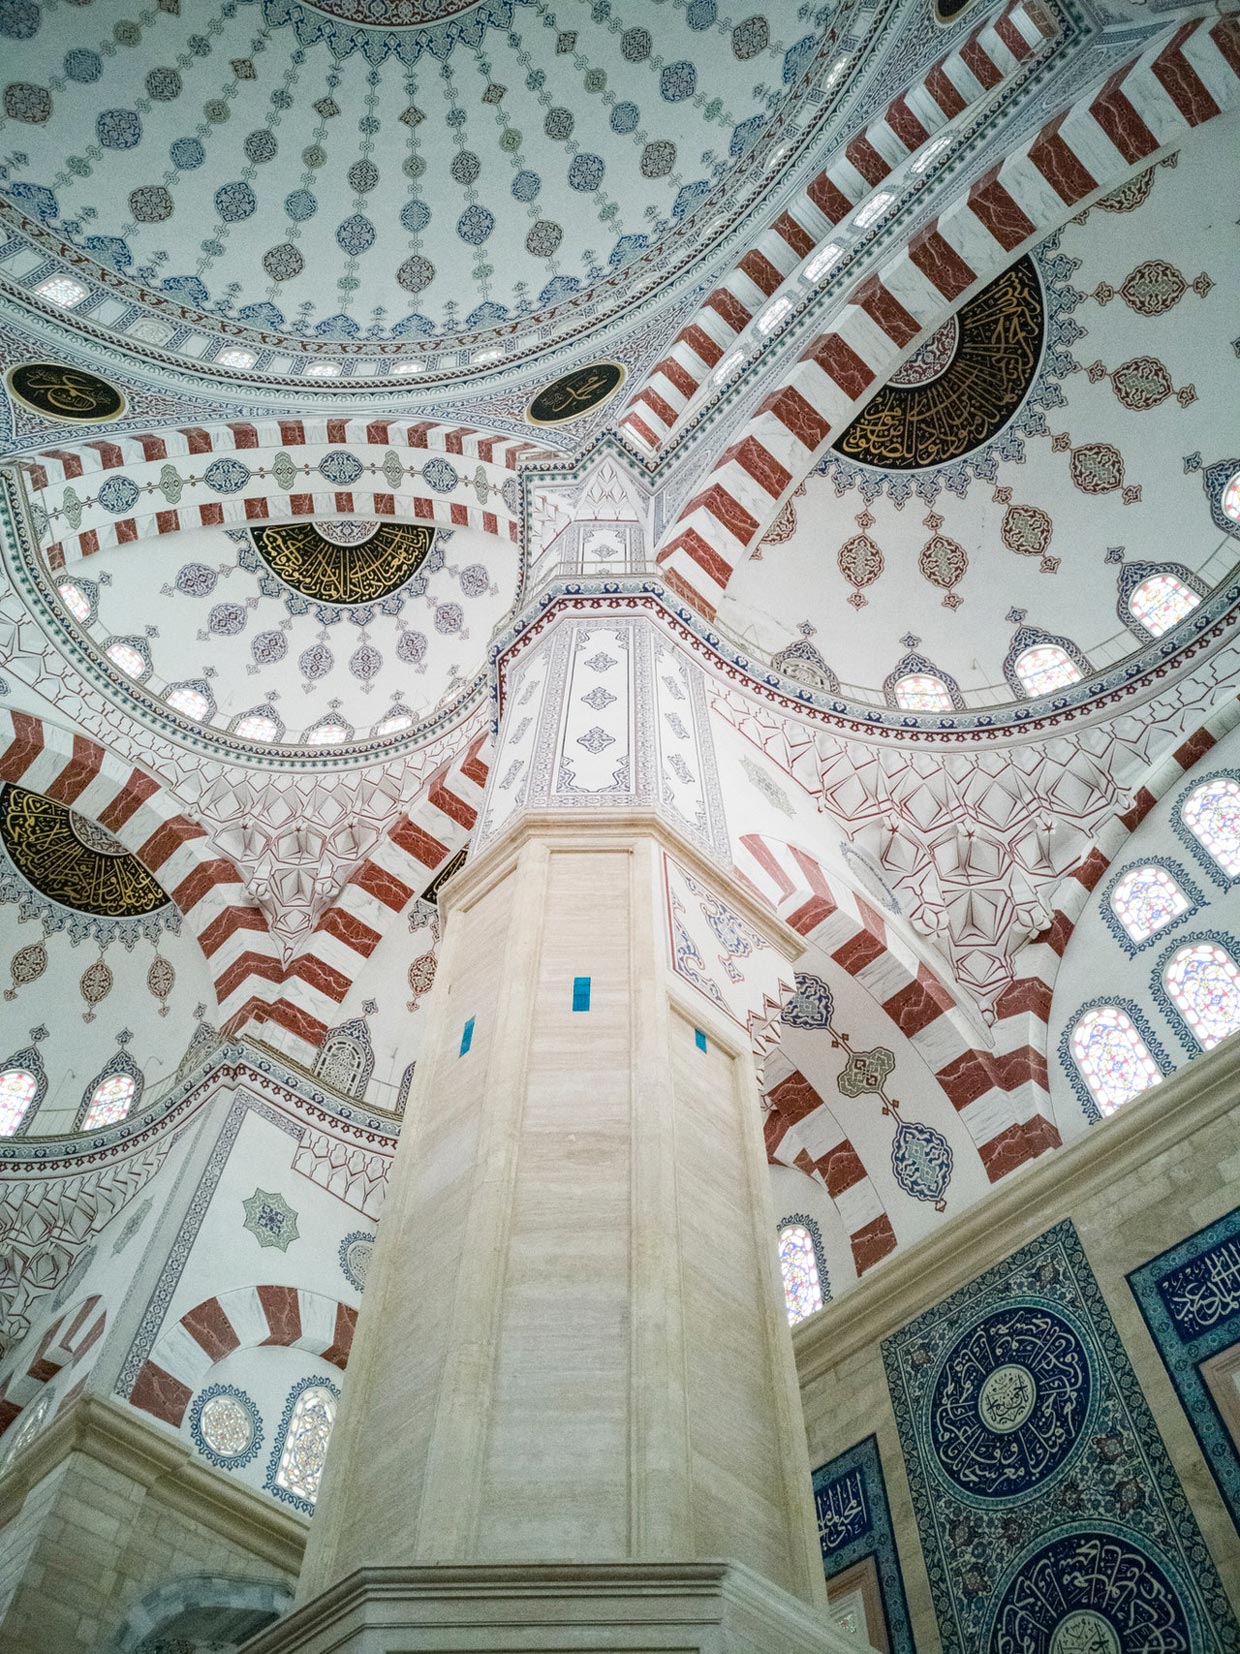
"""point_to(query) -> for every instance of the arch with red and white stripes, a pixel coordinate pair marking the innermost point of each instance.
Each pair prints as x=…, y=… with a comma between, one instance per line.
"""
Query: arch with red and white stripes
x=1188, y=76
x=164, y=505
x=1001, y=1096
x=65, y=1343
x=244, y=1318
x=208, y=888
x=995, y=51
x=416, y=847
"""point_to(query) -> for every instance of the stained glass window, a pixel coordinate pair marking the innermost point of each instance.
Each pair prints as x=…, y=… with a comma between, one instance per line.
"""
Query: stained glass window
x=1046, y=667
x=919, y=692
x=799, y=1267
x=1212, y=814
x=109, y=1102
x=1147, y=899
x=305, y=1443
x=1231, y=498
x=1204, y=981
x=74, y=599
x=17, y=1089
x=332, y=730
x=127, y=658
x=394, y=721
x=1113, y=1057
x=257, y=726
x=191, y=702
x=1161, y=601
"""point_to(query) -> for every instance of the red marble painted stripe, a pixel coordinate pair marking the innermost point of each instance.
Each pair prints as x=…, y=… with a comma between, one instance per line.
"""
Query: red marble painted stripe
x=130, y=799
x=973, y=55
x=872, y=1242
x=346, y=927
x=943, y=92
x=678, y=375
x=867, y=160
x=643, y=430
x=796, y=235
x=78, y=773
x=338, y=1350
x=294, y=1019
x=91, y=1338
x=456, y=809
x=829, y=198
x=704, y=606
x=1116, y=114
x=1226, y=36
x=1143, y=802
x=1059, y=164
x=415, y=841
x=158, y=1393
x=765, y=277
x=198, y=440
x=799, y=415
x=167, y=522
x=729, y=308
x=318, y=974
x=757, y=461
x=282, y=1307
x=1027, y=996
x=795, y=1097
x=697, y=547
x=858, y=952
x=905, y=124
x=840, y=362
x=24, y=748
x=206, y=876
x=109, y=454
x=244, y=435
x=1091, y=869
x=126, y=531
x=168, y=837
x=227, y=924
x=702, y=345
x=997, y=211
x=658, y=405
x=885, y=310
x=376, y=881
x=208, y=1325
x=1057, y=933
x=1187, y=754
x=940, y=263
x=915, y=1006
x=244, y=966
x=211, y=515
x=473, y=766
x=726, y=509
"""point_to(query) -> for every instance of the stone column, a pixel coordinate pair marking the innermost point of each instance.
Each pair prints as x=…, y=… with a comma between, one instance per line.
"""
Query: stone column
x=571, y=1419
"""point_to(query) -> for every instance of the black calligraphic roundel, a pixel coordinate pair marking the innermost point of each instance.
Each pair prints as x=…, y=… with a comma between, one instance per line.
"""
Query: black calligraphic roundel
x=575, y=393
x=59, y=392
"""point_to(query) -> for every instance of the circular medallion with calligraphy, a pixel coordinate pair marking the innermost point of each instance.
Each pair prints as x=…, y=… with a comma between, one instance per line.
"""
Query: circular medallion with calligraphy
x=941, y=404
x=1011, y=1403
x=344, y=569
x=59, y=392
x=1096, y=1592
x=575, y=393
x=73, y=861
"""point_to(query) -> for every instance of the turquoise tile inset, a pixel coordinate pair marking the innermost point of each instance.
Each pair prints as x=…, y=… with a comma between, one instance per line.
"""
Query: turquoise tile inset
x=699, y=1039
x=581, y=993
x=467, y=1036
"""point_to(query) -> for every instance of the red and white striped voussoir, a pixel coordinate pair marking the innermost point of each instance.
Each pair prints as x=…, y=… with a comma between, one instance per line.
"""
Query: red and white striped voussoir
x=135, y=809
x=991, y=54
x=802, y=1131
x=1188, y=76
x=1001, y=1097
x=244, y=1318
x=401, y=866
x=64, y=1343
x=188, y=442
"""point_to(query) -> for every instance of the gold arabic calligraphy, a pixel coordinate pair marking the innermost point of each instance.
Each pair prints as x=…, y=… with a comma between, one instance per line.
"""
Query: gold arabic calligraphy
x=576, y=393
x=64, y=857
x=344, y=575
x=996, y=358
x=65, y=393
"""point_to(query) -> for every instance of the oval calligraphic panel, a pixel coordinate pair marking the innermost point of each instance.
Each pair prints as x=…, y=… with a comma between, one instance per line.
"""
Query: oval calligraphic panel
x=961, y=387
x=575, y=394
x=59, y=392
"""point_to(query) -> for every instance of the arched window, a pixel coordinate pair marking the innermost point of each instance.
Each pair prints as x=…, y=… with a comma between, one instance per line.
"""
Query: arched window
x=190, y=701
x=327, y=733
x=1231, y=498
x=347, y=1060
x=1161, y=602
x=1046, y=667
x=804, y=1277
x=919, y=692
x=296, y=1466
x=392, y=723
x=1112, y=1057
x=110, y=1101
x=1211, y=812
x=1146, y=900
x=259, y=725
x=17, y=1092
x=1203, y=981
x=75, y=600
x=129, y=658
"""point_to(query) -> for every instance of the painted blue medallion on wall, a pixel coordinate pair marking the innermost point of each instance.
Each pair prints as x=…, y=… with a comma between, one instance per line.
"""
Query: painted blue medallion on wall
x=1190, y=1297
x=854, y=1527
x=1050, y=1517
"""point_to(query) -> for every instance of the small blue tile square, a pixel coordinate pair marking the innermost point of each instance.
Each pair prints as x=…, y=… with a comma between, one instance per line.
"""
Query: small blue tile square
x=699, y=1039
x=467, y=1036
x=581, y=993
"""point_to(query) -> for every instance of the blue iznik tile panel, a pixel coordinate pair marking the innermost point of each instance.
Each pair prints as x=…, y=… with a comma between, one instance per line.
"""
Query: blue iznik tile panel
x=1190, y=1297
x=854, y=1524
x=1050, y=1518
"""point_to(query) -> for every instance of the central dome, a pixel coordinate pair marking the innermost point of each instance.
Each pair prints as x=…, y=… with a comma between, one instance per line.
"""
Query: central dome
x=345, y=189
